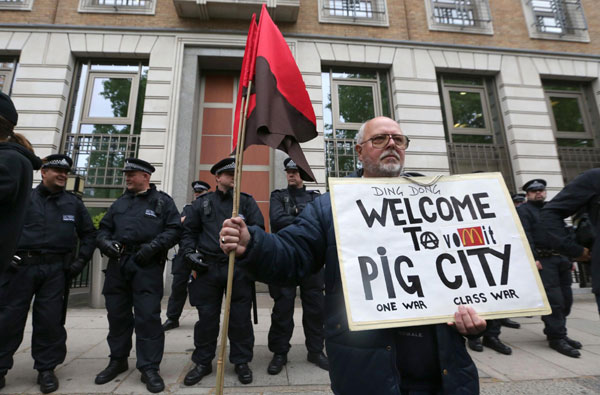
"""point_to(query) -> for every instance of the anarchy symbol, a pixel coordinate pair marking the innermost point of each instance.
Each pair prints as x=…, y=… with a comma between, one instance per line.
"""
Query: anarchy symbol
x=429, y=240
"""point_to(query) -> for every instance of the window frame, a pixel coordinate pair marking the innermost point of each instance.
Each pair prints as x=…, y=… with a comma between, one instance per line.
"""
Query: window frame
x=70, y=137
x=382, y=20
x=583, y=109
x=24, y=5
x=483, y=94
x=8, y=73
x=579, y=34
x=481, y=26
x=334, y=82
x=88, y=6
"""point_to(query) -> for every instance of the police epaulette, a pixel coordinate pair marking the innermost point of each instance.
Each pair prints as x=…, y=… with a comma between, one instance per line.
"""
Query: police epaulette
x=166, y=194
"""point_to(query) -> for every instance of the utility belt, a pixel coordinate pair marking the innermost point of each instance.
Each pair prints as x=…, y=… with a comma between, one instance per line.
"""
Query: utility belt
x=130, y=249
x=544, y=253
x=36, y=257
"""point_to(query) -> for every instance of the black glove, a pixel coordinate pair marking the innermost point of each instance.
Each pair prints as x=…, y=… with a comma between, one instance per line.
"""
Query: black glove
x=76, y=267
x=110, y=248
x=144, y=255
x=195, y=262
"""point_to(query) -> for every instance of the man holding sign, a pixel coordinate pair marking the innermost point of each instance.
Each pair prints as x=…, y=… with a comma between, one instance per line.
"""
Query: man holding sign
x=425, y=359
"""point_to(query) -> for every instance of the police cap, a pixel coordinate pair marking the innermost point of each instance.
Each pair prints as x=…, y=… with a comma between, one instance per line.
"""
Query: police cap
x=518, y=197
x=537, y=184
x=227, y=164
x=200, y=186
x=7, y=109
x=289, y=164
x=135, y=164
x=57, y=161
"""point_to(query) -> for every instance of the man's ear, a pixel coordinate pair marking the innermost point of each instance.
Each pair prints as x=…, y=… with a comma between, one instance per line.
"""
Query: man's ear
x=358, y=149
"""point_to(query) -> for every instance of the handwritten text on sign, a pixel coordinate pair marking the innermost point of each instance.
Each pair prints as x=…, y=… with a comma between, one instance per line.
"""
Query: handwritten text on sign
x=411, y=252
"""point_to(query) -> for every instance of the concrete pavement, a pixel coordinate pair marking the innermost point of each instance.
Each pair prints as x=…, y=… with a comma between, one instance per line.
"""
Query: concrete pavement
x=532, y=369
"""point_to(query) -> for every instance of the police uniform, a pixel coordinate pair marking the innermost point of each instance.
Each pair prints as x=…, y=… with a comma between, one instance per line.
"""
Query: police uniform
x=555, y=273
x=285, y=205
x=54, y=222
x=181, y=272
x=136, y=232
x=201, y=236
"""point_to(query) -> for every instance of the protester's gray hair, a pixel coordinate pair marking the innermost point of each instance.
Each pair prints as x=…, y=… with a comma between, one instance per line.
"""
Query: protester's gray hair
x=361, y=133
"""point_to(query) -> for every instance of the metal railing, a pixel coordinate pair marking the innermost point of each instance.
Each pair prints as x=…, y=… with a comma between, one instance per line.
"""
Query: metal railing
x=118, y=4
x=576, y=160
x=461, y=12
x=467, y=158
x=558, y=16
x=83, y=279
x=355, y=9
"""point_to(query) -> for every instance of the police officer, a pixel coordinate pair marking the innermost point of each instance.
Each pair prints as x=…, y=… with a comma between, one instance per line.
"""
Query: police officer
x=181, y=271
x=554, y=268
x=136, y=233
x=43, y=266
x=285, y=205
x=200, y=245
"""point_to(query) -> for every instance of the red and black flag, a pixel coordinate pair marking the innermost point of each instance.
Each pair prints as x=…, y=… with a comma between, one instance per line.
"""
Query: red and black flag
x=280, y=113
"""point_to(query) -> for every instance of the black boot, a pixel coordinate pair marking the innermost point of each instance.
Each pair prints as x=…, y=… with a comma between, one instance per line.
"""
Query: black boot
x=277, y=363
x=170, y=324
x=244, y=373
x=507, y=322
x=475, y=344
x=48, y=381
x=495, y=344
x=154, y=383
x=114, y=368
x=2, y=381
x=318, y=359
x=564, y=348
x=573, y=343
x=196, y=374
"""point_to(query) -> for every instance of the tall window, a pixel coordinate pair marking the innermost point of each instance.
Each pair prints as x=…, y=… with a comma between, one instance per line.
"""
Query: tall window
x=574, y=120
x=556, y=19
x=118, y=6
x=472, y=16
x=366, y=12
x=104, y=125
x=473, y=126
x=7, y=74
x=350, y=98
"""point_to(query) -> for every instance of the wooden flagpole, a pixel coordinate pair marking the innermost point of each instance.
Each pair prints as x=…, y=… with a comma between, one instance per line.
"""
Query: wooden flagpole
x=239, y=158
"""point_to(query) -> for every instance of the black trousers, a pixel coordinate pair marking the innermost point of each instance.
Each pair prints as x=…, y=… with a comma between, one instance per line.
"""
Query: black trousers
x=129, y=286
x=556, y=277
x=206, y=294
x=178, y=295
x=17, y=288
x=282, y=316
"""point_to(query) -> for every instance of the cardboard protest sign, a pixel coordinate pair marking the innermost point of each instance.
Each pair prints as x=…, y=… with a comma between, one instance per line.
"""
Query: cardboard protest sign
x=412, y=250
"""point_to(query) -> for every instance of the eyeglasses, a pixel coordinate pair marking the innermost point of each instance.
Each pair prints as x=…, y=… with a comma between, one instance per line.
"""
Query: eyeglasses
x=382, y=140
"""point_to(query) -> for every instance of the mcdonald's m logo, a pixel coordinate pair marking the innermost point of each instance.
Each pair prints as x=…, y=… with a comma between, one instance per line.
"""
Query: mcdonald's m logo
x=471, y=236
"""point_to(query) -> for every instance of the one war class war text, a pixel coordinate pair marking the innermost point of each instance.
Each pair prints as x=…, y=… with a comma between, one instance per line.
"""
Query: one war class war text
x=398, y=210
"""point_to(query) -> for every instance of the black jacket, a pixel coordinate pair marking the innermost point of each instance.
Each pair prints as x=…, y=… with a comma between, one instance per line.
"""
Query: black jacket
x=582, y=192
x=53, y=223
x=204, y=222
x=148, y=217
x=16, y=175
x=286, y=204
x=361, y=362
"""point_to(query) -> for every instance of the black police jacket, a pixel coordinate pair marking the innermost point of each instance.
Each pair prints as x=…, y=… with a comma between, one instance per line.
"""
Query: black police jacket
x=147, y=217
x=202, y=226
x=16, y=174
x=529, y=214
x=53, y=223
x=582, y=192
x=286, y=204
